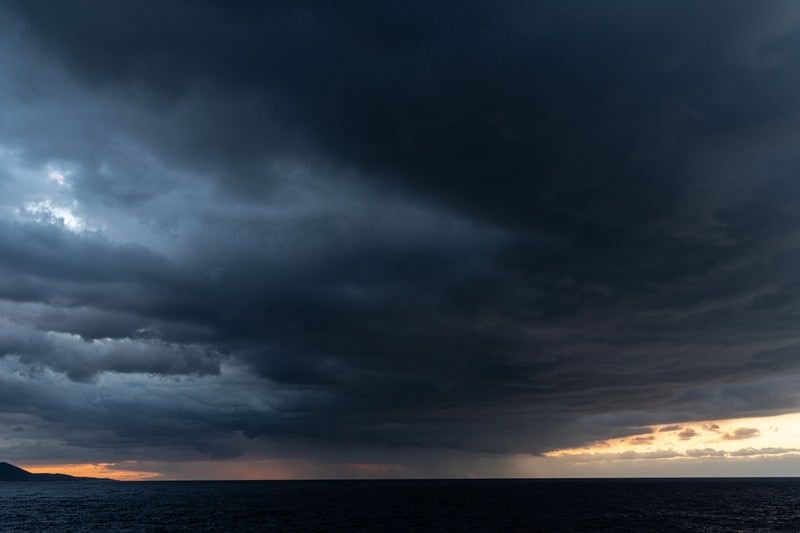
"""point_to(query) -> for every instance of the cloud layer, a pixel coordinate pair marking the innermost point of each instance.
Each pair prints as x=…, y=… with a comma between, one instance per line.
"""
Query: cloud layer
x=357, y=232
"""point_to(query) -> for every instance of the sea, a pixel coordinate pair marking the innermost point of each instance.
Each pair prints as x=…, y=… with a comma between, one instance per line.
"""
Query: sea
x=409, y=505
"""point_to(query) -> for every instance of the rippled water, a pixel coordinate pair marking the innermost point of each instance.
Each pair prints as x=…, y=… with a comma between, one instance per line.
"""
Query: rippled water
x=487, y=505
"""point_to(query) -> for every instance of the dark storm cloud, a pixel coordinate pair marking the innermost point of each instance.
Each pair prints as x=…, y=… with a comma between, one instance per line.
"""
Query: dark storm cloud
x=501, y=228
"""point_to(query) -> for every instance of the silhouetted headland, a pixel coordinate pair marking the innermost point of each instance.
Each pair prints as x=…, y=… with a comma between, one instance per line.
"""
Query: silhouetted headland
x=9, y=472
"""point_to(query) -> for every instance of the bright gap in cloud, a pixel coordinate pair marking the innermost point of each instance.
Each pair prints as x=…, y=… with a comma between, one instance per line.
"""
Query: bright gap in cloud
x=736, y=438
x=45, y=211
x=57, y=177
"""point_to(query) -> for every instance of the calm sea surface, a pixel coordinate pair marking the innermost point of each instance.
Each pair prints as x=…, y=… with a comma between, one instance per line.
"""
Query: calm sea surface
x=507, y=505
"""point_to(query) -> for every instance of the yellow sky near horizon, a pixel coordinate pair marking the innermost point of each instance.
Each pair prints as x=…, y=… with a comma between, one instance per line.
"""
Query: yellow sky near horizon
x=657, y=450
x=750, y=437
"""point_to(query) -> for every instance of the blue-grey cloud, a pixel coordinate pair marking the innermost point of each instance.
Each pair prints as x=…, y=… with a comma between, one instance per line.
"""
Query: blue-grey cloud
x=488, y=228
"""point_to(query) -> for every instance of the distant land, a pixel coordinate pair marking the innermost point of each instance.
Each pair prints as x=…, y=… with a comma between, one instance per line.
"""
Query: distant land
x=9, y=472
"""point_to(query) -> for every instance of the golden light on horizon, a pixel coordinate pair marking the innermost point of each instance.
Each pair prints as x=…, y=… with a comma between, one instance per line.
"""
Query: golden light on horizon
x=101, y=470
x=736, y=438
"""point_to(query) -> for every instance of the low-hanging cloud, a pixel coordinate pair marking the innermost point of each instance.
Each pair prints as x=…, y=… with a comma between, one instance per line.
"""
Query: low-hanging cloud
x=295, y=227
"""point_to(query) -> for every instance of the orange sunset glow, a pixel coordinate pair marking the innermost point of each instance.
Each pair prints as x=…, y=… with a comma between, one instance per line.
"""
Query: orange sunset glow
x=101, y=470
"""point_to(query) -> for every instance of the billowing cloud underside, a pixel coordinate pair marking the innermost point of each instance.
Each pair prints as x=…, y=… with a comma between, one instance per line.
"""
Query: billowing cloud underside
x=504, y=228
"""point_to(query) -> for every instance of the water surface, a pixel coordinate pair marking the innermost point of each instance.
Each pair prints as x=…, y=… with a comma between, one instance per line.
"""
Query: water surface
x=435, y=505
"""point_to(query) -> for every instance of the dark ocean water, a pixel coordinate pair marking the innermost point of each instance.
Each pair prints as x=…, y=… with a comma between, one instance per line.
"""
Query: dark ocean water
x=442, y=505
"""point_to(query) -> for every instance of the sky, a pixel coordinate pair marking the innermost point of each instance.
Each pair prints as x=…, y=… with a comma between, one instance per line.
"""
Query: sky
x=311, y=239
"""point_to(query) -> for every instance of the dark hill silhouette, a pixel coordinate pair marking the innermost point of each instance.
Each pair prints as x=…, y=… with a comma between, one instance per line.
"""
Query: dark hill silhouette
x=9, y=472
